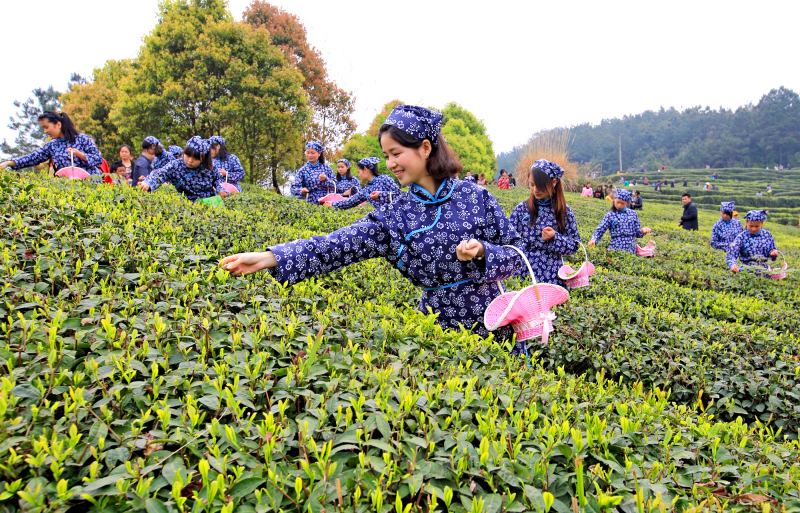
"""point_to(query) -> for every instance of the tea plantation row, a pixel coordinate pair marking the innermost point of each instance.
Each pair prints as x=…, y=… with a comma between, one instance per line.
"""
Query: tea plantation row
x=137, y=376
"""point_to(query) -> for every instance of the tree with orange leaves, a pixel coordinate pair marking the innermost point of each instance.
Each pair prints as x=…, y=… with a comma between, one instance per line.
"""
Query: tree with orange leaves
x=333, y=107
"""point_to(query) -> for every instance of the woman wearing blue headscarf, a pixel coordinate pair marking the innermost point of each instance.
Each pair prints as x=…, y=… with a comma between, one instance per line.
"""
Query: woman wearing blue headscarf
x=726, y=228
x=378, y=189
x=194, y=176
x=346, y=183
x=446, y=236
x=315, y=179
x=754, y=245
x=622, y=223
x=227, y=164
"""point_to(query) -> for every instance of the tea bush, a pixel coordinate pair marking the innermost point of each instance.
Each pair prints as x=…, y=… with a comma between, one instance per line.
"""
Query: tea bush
x=137, y=376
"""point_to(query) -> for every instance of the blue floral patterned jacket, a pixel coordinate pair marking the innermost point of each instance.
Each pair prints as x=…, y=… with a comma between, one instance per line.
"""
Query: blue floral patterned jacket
x=57, y=150
x=418, y=234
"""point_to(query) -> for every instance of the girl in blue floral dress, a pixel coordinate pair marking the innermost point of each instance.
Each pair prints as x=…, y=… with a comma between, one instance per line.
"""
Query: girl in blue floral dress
x=378, y=189
x=546, y=225
x=312, y=180
x=67, y=147
x=726, y=228
x=446, y=236
x=622, y=223
x=193, y=176
x=754, y=245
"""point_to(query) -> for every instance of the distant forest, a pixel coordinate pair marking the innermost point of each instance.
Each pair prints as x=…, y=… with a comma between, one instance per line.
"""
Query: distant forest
x=764, y=134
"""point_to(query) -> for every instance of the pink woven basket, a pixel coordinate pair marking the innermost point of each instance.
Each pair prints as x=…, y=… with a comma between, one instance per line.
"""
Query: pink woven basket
x=72, y=172
x=649, y=250
x=331, y=199
x=779, y=273
x=527, y=311
x=230, y=188
x=573, y=278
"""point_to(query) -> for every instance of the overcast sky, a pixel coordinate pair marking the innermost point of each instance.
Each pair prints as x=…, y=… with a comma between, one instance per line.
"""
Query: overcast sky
x=520, y=66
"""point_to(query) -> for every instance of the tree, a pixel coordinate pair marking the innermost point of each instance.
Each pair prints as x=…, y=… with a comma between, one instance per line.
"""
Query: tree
x=199, y=72
x=366, y=144
x=90, y=104
x=332, y=107
x=25, y=124
x=466, y=135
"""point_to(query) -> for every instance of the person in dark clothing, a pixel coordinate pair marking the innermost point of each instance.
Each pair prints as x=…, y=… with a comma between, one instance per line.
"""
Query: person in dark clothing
x=144, y=164
x=636, y=201
x=689, y=217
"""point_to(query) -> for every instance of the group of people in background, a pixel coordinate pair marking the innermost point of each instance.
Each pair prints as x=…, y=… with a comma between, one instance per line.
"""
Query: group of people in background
x=198, y=170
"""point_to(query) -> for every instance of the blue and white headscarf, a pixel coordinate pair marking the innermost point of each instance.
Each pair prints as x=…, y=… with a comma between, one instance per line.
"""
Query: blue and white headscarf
x=756, y=215
x=418, y=122
x=345, y=162
x=623, y=194
x=551, y=169
x=216, y=139
x=727, y=206
x=152, y=140
x=175, y=151
x=370, y=162
x=199, y=145
x=315, y=145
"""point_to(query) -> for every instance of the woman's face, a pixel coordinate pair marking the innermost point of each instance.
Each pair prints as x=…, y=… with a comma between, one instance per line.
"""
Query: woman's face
x=341, y=169
x=124, y=153
x=191, y=162
x=312, y=155
x=409, y=165
x=214, y=151
x=620, y=204
x=52, y=130
x=540, y=193
x=725, y=216
x=753, y=227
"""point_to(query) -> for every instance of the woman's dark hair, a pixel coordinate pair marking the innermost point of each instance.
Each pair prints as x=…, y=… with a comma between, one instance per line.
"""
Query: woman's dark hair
x=503, y=171
x=205, y=158
x=223, y=151
x=442, y=162
x=728, y=213
x=68, y=130
x=159, y=150
x=372, y=168
x=556, y=193
x=116, y=165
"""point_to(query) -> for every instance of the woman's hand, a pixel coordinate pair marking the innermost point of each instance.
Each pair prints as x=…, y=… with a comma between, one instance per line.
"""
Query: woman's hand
x=374, y=195
x=548, y=233
x=77, y=153
x=469, y=249
x=7, y=163
x=323, y=177
x=774, y=253
x=646, y=230
x=248, y=263
x=735, y=269
x=304, y=190
x=143, y=185
x=223, y=172
x=592, y=244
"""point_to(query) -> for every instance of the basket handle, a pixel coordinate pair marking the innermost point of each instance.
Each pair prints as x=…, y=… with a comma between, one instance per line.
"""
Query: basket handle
x=585, y=253
x=527, y=264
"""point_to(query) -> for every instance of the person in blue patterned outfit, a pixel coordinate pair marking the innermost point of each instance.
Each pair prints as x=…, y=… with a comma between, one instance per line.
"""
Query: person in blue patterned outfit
x=446, y=236
x=175, y=151
x=546, y=225
x=194, y=176
x=163, y=157
x=346, y=183
x=312, y=180
x=227, y=164
x=726, y=228
x=622, y=223
x=378, y=189
x=67, y=147
x=754, y=245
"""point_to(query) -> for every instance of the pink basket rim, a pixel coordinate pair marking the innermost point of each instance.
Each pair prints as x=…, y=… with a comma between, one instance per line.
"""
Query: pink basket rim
x=494, y=308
